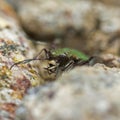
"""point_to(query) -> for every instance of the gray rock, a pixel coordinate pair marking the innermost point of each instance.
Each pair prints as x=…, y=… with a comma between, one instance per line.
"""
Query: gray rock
x=86, y=22
x=84, y=93
x=56, y=17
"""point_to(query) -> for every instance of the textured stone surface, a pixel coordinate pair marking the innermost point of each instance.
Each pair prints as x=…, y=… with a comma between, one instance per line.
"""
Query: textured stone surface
x=14, y=47
x=83, y=93
x=106, y=59
x=86, y=93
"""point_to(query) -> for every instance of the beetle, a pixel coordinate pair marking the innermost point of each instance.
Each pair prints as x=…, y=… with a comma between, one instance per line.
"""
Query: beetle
x=65, y=59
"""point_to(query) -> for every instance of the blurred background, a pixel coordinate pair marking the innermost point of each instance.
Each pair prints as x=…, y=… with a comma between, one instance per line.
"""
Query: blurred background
x=92, y=26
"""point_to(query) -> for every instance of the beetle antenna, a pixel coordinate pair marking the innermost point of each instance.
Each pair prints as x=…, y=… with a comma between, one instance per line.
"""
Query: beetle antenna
x=24, y=62
x=35, y=58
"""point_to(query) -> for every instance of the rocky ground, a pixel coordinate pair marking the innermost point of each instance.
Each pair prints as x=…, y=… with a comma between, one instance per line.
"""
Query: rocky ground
x=86, y=93
x=28, y=91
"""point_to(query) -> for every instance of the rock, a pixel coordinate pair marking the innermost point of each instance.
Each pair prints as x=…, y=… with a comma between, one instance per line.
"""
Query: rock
x=106, y=59
x=84, y=93
x=110, y=2
x=53, y=20
x=14, y=47
x=91, y=25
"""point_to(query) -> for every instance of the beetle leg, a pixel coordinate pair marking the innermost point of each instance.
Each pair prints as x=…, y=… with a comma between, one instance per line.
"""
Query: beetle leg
x=46, y=53
x=68, y=66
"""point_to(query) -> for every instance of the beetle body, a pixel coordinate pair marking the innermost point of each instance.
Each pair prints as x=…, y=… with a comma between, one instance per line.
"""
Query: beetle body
x=67, y=58
x=63, y=59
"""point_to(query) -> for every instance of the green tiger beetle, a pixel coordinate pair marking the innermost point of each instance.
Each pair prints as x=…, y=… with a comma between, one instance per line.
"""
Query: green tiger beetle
x=65, y=59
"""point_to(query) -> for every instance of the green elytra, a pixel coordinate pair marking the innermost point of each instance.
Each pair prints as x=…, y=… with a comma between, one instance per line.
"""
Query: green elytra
x=70, y=52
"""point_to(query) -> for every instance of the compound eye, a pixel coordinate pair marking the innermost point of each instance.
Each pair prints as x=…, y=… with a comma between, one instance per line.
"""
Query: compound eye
x=51, y=65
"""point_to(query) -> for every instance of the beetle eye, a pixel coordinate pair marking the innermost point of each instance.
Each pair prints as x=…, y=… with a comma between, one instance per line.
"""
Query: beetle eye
x=51, y=65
